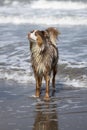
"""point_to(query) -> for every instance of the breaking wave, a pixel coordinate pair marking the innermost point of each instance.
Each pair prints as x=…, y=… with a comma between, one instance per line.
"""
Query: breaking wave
x=44, y=12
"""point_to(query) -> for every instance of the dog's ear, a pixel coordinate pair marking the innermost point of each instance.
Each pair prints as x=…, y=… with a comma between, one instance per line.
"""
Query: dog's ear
x=39, y=40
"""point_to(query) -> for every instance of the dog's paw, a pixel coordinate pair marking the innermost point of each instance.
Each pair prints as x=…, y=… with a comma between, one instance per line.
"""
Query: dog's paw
x=35, y=96
x=46, y=98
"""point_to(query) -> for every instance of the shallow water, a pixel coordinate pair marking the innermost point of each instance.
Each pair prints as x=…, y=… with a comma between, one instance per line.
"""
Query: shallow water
x=19, y=110
x=17, y=18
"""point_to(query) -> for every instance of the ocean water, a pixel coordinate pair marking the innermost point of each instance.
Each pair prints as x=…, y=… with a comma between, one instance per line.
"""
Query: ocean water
x=18, y=17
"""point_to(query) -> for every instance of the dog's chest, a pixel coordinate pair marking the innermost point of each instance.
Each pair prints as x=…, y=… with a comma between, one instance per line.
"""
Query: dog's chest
x=39, y=63
x=38, y=60
x=43, y=62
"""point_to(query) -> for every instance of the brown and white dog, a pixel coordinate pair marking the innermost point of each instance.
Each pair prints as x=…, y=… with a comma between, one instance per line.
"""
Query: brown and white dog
x=44, y=57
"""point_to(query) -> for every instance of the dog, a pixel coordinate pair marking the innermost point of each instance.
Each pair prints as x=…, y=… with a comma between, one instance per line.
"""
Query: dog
x=44, y=57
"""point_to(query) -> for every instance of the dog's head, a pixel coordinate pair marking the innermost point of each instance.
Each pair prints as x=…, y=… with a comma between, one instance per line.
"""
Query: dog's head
x=42, y=38
x=37, y=37
x=52, y=33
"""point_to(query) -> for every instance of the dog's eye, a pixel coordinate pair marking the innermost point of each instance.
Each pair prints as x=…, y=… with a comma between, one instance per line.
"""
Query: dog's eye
x=32, y=31
x=35, y=34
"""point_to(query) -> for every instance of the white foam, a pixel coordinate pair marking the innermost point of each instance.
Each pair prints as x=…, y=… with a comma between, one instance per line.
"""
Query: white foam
x=25, y=106
x=20, y=76
x=14, y=2
x=64, y=5
x=44, y=4
x=76, y=82
x=71, y=63
x=6, y=2
x=77, y=65
x=34, y=96
x=63, y=107
x=43, y=12
x=25, y=77
x=51, y=20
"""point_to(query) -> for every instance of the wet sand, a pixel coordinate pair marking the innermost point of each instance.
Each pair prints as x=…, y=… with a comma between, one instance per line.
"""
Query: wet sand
x=19, y=110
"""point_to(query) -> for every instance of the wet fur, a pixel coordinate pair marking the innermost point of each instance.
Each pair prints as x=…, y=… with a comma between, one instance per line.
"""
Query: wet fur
x=44, y=58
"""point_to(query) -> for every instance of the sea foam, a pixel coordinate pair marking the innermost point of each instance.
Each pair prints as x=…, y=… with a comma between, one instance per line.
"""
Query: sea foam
x=51, y=20
x=44, y=12
x=64, y=5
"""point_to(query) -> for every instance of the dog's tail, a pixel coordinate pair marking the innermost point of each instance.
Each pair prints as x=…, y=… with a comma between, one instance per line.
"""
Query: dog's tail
x=53, y=34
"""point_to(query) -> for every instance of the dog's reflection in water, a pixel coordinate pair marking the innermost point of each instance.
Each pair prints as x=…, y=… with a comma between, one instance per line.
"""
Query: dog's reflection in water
x=46, y=117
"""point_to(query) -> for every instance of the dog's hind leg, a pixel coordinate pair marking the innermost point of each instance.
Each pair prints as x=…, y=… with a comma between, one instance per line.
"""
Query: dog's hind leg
x=53, y=79
x=40, y=82
x=47, y=78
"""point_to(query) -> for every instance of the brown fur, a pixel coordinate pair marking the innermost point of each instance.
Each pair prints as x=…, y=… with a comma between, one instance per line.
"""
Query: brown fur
x=52, y=33
x=44, y=58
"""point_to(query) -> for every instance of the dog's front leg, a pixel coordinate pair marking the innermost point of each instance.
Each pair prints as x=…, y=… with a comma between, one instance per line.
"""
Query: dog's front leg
x=38, y=86
x=47, y=78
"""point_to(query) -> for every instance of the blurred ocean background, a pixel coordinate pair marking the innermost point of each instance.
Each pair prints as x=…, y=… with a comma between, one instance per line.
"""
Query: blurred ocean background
x=18, y=17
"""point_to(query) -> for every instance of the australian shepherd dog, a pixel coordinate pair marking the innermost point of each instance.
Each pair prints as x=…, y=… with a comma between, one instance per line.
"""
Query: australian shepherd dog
x=44, y=57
